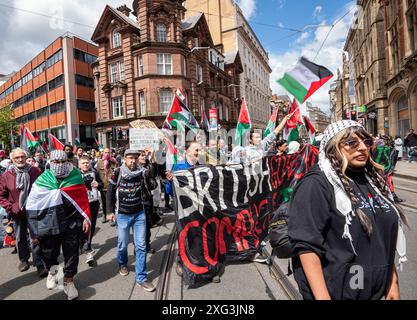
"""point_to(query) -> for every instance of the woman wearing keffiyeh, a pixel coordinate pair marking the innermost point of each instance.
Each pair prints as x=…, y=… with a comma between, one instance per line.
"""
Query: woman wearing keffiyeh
x=344, y=225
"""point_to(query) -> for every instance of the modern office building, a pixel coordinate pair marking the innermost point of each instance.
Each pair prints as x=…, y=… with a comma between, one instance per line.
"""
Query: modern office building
x=54, y=92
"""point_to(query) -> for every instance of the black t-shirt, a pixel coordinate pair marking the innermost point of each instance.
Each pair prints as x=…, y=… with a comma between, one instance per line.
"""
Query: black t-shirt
x=315, y=225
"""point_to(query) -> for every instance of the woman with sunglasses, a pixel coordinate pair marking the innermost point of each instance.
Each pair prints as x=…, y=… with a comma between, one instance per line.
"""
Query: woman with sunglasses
x=344, y=225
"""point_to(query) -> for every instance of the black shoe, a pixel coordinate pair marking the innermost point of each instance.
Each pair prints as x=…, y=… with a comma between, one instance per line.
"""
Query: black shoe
x=14, y=251
x=42, y=272
x=158, y=223
x=23, y=266
x=104, y=220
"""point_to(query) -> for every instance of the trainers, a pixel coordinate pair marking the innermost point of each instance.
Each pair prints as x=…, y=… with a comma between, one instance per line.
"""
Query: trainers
x=70, y=290
x=52, y=281
x=89, y=257
x=147, y=286
x=259, y=258
x=42, y=272
x=179, y=270
x=23, y=266
x=112, y=223
x=124, y=271
x=216, y=279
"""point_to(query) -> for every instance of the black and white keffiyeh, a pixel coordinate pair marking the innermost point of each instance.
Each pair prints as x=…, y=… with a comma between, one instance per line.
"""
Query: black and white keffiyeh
x=343, y=202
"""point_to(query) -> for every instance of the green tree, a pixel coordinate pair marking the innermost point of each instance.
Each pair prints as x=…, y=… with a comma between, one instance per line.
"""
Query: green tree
x=8, y=126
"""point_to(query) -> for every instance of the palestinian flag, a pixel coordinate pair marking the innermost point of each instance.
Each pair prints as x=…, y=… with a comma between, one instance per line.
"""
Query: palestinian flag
x=54, y=143
x=180, y=94
x=204, y=121
x=310, y=130
x=305, y=79
x=27, y=141
x=179, y=112
x=292, y=127
x=271, y=124
x=46, y=196
x=243, y=124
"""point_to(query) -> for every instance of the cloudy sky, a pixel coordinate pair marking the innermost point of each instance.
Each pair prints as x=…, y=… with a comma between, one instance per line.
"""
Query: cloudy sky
x=29, y=26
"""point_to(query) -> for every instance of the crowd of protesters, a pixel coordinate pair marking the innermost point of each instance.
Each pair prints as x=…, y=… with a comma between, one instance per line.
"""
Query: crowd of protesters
x=127, y=185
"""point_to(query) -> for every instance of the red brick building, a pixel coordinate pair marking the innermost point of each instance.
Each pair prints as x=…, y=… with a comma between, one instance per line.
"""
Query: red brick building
x=54, y=91
x=143, y=61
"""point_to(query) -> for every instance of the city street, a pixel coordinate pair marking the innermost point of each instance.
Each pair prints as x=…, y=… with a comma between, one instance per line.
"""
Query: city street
x=104, y=282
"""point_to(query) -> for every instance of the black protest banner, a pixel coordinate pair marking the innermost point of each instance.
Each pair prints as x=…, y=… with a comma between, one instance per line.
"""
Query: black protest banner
x=223, y=212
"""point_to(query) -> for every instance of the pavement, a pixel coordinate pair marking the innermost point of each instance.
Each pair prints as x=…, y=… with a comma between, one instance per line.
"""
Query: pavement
x=101, y=282
x=406, y=170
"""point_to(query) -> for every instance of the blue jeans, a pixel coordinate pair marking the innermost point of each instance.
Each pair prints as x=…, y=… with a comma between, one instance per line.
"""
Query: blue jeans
x=137, y=222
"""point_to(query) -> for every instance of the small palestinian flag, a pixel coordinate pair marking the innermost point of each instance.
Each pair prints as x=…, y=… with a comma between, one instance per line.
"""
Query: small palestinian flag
x=271, y=124
x=27, y=141
x=310, y=130
x=180, y=94
x=291, y=130
x=46, y=197
x=179, y=112
x=305, y=79
x=244, y=123
x=54, y=143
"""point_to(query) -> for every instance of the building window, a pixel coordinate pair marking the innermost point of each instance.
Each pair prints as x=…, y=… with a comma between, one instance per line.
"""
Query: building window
x=57, y=82
x=86, y=105
x=117, y=107
x=164, y=63
x=117, y=39
x=165, y=100
x=84, y=81
x=142, y=103
x=121, y=66
x=113, y=73
x=161, y=33
x=54, y=59
x=84, y=57
x=199, y=73
x=403, y=117
x=185, y=67
x=57, y=107
x=140, y=65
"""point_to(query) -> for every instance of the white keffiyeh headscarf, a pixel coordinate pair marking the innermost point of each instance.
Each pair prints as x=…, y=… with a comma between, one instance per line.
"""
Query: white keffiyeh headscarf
x=343, y=202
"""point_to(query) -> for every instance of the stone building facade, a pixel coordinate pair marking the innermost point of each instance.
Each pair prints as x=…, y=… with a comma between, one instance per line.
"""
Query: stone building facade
x=144, y=58
x=231, y=32
x=366, y=66
x=400, y=29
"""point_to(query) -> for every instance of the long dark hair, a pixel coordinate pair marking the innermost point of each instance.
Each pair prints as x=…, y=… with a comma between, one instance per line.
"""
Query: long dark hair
x=374, y=170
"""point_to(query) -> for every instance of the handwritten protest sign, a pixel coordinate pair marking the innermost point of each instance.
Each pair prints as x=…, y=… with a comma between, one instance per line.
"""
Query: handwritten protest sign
x=139, y=139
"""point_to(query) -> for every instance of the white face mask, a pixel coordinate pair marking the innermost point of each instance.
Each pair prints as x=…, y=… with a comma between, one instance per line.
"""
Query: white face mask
x=61, y=170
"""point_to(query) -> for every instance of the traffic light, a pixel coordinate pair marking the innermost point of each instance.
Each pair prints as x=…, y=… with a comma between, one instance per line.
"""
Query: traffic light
x=353, y=115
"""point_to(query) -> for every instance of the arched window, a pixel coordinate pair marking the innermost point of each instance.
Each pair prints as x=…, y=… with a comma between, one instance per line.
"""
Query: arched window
x=117, y=39
x=403, y=115
x=161, y=33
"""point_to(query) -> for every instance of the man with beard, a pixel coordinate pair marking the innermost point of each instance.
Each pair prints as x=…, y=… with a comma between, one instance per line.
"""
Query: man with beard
x=15, y=185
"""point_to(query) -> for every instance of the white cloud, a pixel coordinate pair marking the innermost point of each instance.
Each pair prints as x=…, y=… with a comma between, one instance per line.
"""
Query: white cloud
x=248, y=8
x=330, y=56
x=317, y=12
x=25, y=34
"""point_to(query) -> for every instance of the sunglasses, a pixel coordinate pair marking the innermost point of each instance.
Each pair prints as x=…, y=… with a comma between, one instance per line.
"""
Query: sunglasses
x=353, y=144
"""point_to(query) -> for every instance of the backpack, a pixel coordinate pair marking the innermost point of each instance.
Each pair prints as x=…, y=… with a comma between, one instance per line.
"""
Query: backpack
x=278, y=233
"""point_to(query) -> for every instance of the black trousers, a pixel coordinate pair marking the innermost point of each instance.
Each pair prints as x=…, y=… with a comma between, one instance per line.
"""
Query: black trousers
x=51, y=247
x=103, y=194
x=87, y=239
